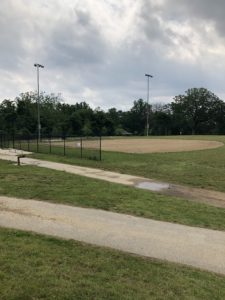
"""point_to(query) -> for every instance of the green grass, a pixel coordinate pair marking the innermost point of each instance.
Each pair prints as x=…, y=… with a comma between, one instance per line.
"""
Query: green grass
x=44, y=184
x=59, y=149
x=204, y=168
x=38, y=267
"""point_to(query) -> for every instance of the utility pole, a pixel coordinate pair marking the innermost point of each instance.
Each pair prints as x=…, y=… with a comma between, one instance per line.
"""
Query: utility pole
x=147, y=112
x=38, y=102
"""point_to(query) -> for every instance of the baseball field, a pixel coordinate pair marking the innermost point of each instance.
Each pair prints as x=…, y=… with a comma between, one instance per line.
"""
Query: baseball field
x=47, y=268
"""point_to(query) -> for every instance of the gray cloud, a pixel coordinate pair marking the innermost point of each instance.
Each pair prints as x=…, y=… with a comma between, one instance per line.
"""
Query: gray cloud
x=100, y=52
x=13, y=28
x=77, y=42
x=209, y=11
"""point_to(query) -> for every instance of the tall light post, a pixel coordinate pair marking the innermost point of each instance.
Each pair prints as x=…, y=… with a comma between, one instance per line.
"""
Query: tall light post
x=147, y=112
x=38, y=102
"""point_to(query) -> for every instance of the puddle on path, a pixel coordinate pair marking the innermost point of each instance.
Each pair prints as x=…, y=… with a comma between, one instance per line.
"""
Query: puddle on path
x=152, y=186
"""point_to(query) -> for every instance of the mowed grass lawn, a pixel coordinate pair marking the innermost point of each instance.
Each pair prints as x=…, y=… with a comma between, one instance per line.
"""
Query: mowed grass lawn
x=44, y=184
x=39, y=267
x=203, y=168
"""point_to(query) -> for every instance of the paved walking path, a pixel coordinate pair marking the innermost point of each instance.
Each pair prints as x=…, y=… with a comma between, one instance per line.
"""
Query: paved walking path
x=200, y=195
x=196, y=247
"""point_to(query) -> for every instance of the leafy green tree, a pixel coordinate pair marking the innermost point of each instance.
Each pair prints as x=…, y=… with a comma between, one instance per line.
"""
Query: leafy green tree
x=135, y=119
x=26, y=110
x=101, y=124
x=76, y=123
x=48, y=113
x=87, y=129
x=196, y=110
x=8, y=116
x=161, y=123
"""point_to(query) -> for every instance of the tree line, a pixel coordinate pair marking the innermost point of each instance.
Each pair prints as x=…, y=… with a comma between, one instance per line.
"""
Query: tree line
x=198, y=111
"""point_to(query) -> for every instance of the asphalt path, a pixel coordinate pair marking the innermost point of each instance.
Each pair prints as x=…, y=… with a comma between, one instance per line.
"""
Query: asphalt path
x=197, y=247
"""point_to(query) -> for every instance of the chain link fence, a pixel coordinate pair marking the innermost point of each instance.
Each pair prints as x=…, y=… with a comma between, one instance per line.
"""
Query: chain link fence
x=80, y=147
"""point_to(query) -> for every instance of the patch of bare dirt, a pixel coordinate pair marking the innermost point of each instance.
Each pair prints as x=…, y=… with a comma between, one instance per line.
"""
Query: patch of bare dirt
x=157, y=145
x=209, y=197
x=149, y=145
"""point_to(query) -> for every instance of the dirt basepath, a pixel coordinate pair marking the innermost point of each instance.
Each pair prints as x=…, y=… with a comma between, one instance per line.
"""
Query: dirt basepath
x=213, y=198
x=157, y=145
x=196, y=247
x=148, y=145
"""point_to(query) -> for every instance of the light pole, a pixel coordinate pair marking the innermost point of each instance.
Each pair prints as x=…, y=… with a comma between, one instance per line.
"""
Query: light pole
x=147, y=112
x=38, y=102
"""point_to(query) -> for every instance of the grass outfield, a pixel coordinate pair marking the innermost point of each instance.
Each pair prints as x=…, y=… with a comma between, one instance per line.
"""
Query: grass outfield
x=38, y=267
x=60, y=187
x=203, y=168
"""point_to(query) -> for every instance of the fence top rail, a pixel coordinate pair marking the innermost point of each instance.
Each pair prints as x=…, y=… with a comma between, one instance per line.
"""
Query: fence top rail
x=83, y=147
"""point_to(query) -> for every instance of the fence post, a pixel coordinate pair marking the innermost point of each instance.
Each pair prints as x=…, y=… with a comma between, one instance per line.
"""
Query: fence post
x=64, y=145
x=37, y=144
x=13, y=140
x=81, y=148
x=4, y=142
x=50, y=145
x=100, y=148
x=28, y=143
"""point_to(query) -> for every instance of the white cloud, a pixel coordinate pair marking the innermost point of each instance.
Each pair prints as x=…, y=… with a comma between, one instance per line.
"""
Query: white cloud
x=99, y=51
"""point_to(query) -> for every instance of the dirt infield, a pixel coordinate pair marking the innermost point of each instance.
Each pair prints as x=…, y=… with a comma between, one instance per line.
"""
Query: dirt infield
x=151, y=145
x=157, y=145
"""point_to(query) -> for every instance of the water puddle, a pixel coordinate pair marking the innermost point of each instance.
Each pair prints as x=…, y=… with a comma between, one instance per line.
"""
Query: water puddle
x=152, y=186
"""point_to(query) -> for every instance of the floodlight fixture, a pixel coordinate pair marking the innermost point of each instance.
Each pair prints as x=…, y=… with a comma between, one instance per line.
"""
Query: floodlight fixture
x=148, y=75
x=38, y=65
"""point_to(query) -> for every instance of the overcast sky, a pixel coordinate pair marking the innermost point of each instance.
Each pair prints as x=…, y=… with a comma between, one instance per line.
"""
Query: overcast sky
x=98, y=51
